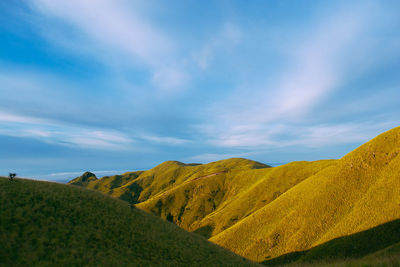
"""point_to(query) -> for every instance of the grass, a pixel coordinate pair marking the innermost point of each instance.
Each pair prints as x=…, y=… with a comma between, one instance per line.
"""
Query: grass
x=51, y=224
x=142, y=185
x=217, y=202
x=263, y=213
x=380, y=242
x=357, y=193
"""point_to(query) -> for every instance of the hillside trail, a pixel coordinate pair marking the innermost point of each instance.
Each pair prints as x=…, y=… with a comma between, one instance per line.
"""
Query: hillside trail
x=189, y=181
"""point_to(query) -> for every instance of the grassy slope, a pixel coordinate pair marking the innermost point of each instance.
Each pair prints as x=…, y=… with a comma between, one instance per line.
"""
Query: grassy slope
x=270, y=184
x=53, y=224
x=379, y=242
x=192, y=190
x=210, y=205
x=263, y=213
x=359, y=192
x=206, y=198
x=140, y=186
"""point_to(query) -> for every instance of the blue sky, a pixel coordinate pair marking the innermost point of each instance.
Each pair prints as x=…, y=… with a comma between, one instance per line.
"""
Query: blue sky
x=110, y=86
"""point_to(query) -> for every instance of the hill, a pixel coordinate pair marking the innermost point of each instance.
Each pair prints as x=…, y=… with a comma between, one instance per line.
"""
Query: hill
x=359, y=192
x=205, y=198
x=267, y=214
x=379, y=245
x=51, y=224
x=214, y=203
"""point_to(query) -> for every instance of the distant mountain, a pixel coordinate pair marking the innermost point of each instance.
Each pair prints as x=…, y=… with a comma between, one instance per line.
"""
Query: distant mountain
x=140, y=186
x=50, y=224
x=84, y=179
x=267, y=214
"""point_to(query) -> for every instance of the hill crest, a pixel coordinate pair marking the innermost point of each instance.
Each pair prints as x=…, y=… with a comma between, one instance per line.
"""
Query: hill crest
x=278, y=210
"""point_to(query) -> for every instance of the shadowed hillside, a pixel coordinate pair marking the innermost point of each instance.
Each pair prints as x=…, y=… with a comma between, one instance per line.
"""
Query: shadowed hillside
x=263, y=213
x=50, y=224
x=379, y=241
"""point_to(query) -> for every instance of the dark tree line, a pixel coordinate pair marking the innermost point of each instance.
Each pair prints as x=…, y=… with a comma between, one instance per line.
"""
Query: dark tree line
x=11, y=175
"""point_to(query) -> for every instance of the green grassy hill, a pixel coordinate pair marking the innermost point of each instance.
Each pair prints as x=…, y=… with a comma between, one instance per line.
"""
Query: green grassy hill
x=51, y=224
x=264, y=213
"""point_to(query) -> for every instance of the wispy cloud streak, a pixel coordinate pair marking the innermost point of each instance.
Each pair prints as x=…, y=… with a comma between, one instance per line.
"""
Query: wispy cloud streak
x=269, y=110
x=108, y=26
x=62, y=134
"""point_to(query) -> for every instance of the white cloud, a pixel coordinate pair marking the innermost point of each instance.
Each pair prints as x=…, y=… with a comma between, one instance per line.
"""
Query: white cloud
x=317, y=64
x=54, y=132
x=102, y=172
x=306, y=135
x=117, y=27
x=321, y=135
x=228, y=36
x=9, y=117
x=256, y=116
x=36, y=132
x=165, y=139
x=210, y=157
x=98, y=139
x=169, y=79
x=111, y=24
x=67, y=176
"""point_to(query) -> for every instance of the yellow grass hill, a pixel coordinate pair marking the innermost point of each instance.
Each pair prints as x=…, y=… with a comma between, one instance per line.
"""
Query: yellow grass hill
x=356, y=193
x=301, y=211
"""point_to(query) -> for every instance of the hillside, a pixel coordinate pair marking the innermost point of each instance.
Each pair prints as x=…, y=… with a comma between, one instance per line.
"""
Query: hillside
x=359, y=192
x=205, y=198
x=267, y=214
x=140, y=186
x=51, y=224
x=211, y=205
x=378, y=243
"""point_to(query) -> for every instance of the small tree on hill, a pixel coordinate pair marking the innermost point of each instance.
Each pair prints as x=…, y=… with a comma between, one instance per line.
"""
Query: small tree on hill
x=11, y=176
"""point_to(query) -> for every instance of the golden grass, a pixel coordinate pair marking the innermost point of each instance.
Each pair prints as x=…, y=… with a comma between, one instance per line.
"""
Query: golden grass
x=262, y=213
x=360, y=191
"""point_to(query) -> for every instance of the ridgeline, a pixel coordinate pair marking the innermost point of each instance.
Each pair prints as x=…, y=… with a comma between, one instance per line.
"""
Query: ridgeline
x=301, y=211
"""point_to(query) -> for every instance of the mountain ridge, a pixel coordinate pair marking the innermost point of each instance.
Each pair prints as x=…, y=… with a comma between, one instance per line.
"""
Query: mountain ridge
x=277, y=210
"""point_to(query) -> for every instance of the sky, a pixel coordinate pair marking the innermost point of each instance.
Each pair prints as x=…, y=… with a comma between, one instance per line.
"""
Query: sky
x=111, y=86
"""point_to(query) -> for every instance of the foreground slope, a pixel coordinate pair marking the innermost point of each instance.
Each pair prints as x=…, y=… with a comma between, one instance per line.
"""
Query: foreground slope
x=54, y=224
x=360, y=191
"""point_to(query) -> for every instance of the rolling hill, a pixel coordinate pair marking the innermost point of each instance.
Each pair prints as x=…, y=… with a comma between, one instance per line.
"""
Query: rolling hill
x=49, y=224
x=267, y=214
x=357, y=193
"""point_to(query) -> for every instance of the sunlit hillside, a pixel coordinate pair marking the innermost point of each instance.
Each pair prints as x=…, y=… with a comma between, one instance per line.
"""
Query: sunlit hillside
x=213, y=204
x=163, y=179
x=263, y=213
x=48, y=224
x=357, y=193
